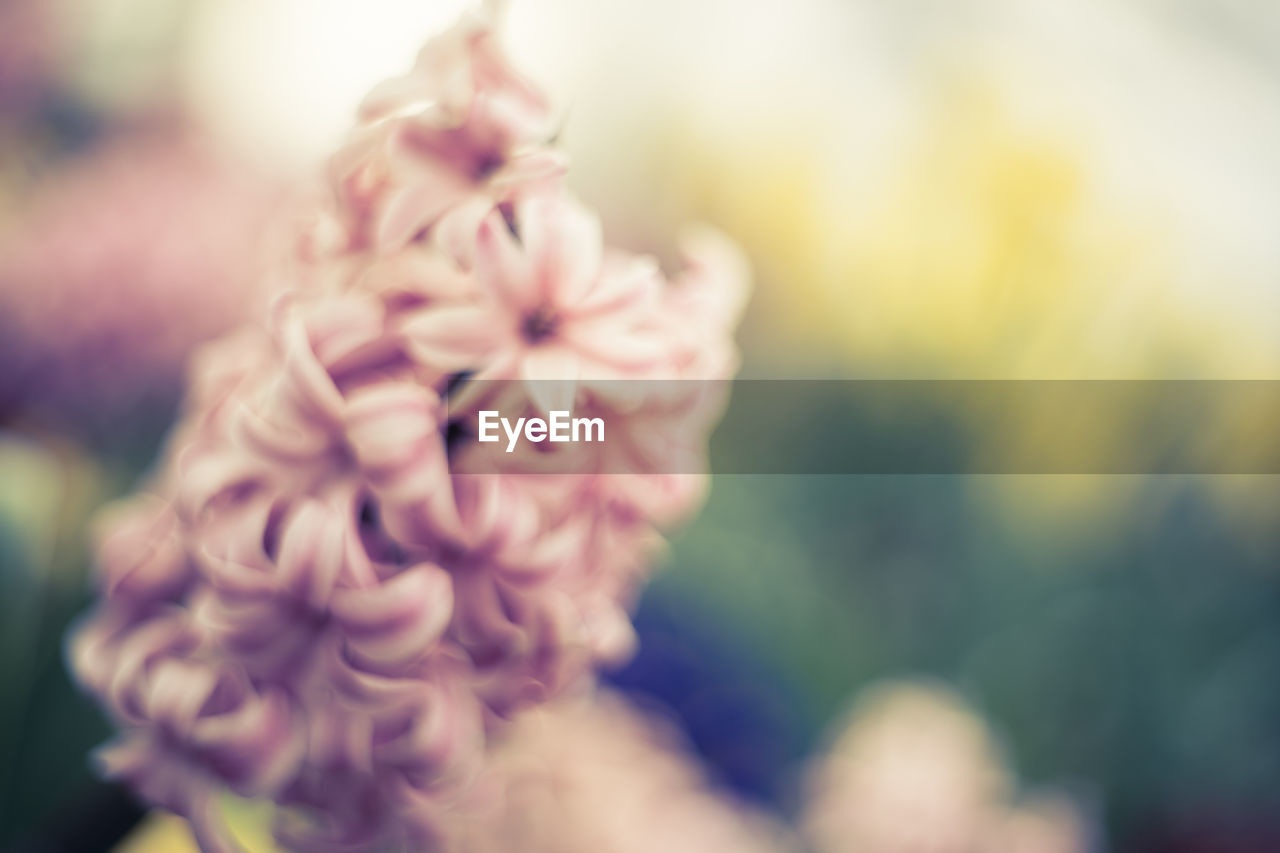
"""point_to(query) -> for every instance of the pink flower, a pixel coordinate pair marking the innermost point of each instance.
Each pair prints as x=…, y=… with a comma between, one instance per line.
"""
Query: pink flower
x=592, y=774
x=552, y=307
x=461, y=130
x=463, y=81
x=33, y=41
x=314, y=539
x=122, y=263
x=193, y=725
x=915, y=769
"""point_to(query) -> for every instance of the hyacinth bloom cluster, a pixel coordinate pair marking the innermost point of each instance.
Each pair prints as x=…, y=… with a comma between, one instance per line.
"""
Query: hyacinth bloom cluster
x=595, y=774
x=117, y=267
x=311, y=604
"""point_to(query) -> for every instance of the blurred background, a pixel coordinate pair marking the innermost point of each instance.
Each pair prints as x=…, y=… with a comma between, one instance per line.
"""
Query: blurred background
x=1012, y=189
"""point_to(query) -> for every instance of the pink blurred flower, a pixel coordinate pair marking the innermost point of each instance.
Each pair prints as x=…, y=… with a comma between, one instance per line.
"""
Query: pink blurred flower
x=593, y=774
x=462, y=81
x=120, y=265
x=32, y=44
x=312, y=541
x=551, y=307
x=461, y=130
x=915, y=770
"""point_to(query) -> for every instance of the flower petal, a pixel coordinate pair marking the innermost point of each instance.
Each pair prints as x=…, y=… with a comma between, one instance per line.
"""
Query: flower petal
x=500, y=265
x=565, y=242
x=453, y=337
x=550, y=373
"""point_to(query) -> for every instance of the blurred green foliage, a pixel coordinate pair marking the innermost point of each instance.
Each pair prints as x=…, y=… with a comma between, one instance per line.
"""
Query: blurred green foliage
x=47, y=728
x=1135, y=660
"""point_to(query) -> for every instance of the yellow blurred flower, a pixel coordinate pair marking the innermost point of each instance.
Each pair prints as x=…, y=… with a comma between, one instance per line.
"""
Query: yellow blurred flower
x=989, y=246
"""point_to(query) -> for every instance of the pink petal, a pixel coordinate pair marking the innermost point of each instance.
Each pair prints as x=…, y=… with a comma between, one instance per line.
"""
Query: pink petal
x=551, y=375
x=414, y=207
x=407, y=280
x=453, y=337
x=397, y=95
x=500, y=265
x=565, y=242
x=311, y=552
x=400, y=620
x=387, y=426
x=539, y=167
x=457, y=232
x=308, y=384
x=620, y=345
x=632, y=285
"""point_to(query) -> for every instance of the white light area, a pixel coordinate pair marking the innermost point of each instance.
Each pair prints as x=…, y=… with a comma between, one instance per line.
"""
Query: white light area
x=1179, y=131
x=1182, y=132
x=713, y=74
x=1178, y=134
x=281, y=79
x=118, y=49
